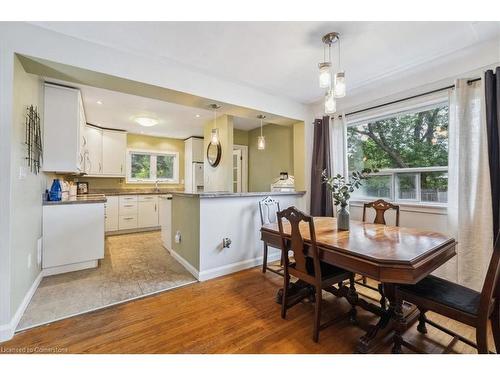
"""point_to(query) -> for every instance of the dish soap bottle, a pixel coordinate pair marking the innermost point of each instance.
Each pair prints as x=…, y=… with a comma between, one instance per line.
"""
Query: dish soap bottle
x=55, y=190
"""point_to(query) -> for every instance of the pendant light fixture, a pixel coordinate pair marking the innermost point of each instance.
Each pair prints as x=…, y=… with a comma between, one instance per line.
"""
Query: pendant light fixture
x=336, y=87
x=214, y=134
x=261, y=141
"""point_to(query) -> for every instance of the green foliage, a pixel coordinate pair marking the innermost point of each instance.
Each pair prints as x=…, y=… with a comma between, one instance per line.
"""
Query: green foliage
x=341, y=187
x=140, y=166
x=409, y=140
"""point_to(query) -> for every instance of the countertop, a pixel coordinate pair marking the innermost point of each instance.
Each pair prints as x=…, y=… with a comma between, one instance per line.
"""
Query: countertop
x=78, y=199
x=225, y=194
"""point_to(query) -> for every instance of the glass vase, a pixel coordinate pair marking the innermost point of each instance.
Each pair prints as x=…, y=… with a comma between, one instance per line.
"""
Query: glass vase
x=343, y=218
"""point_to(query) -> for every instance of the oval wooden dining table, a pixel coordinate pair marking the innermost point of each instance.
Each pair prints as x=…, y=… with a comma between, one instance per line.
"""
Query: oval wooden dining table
x=391, y=255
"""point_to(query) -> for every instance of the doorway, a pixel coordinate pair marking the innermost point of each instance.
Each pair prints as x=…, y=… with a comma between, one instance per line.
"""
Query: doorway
x=240, y=169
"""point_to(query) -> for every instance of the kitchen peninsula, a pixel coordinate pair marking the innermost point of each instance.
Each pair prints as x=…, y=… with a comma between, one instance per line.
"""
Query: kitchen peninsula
x=203, y=220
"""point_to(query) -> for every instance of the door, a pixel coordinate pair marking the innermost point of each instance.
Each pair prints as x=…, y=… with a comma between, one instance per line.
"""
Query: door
x=93, y=160
x=114, y=149
x=237, y=171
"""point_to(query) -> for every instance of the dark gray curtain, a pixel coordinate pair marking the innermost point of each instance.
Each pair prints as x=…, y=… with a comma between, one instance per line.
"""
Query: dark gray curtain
x=321, y=199
x=492, y=88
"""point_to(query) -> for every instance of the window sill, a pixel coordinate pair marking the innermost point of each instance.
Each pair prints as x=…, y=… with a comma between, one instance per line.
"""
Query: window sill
x=151, y=182
x=437, y=209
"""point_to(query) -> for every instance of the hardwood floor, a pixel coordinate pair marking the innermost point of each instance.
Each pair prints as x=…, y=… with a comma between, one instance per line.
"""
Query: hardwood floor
x=231, y=314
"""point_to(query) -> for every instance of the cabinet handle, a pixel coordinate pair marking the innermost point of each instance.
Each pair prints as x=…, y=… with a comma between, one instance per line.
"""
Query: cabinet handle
x=121, y=168
x=100, y=167
x=128, y=205
x=128, y=218
x=155, y=207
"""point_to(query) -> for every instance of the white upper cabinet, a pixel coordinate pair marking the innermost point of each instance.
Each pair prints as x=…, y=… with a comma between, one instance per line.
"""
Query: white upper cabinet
x=63, y=130
x=93, y=152
x=114, y=150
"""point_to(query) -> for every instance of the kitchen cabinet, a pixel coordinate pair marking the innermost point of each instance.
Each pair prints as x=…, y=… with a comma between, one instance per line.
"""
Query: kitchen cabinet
x=73, y=237
x=114, y=149
x=111, y=208
x=147, y=212
x=93, y=150
x=63, y=130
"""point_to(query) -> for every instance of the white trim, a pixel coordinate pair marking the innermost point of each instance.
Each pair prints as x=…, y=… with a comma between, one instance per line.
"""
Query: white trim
x=7, y=330
x=436, y=209
x=244, y=166
x=70, y=267
x=188, y=266
x=237, y=266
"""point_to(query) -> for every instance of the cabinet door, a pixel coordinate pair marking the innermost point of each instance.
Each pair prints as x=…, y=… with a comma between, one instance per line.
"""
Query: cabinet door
x=114, y=148
x=94, y=150
x=111, y=213
x=198, y=154
x=147, y=214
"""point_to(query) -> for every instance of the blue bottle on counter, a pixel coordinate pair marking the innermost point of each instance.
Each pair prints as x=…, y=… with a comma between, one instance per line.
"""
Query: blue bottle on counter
x=55, y=191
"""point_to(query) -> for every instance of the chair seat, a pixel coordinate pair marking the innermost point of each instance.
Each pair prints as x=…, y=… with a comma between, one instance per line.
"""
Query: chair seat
x=446, y=293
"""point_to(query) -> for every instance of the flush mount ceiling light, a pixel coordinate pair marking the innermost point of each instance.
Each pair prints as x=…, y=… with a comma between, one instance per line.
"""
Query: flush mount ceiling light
x=99, y=102
x=336, y=87
x=214, y=134
x=261, y=141
x=146, y=121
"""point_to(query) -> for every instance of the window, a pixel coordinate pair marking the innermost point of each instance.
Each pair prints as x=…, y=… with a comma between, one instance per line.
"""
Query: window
x=147, y=167
x=409, y=149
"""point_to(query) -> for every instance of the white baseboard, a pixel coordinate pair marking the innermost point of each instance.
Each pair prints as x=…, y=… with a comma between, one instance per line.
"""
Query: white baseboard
x=185, y=263
x=7, y=330
x=235, y=267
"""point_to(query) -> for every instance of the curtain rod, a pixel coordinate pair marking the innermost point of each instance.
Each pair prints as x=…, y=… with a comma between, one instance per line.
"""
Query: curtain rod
x=470, y=81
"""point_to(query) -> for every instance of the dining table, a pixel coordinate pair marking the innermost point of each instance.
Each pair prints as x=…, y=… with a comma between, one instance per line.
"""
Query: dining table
x=391, y=255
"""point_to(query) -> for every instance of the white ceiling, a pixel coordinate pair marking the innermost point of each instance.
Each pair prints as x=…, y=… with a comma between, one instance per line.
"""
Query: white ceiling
x=281, y=57
x=119, y=111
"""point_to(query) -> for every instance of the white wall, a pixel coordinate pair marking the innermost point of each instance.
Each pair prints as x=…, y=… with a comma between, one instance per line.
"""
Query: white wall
x=237, y=218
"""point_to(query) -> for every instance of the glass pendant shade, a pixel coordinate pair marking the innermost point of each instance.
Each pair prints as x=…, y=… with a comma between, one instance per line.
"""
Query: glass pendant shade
x=340, y=89
x=325, y=76
x=261, y=142
x=214, y=136
x=330, y=103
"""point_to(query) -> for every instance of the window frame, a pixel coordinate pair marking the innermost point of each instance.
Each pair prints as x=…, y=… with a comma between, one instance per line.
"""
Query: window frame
x=153, y=154
x=433, y=102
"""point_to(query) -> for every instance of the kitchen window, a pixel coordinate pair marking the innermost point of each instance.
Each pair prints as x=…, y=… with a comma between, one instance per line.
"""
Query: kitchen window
x=149, y=167
x=410, y=151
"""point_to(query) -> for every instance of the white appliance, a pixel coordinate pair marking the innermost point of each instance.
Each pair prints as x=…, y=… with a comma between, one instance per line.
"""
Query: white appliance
x=197, y=177
x=165, y=205
x=284, y=183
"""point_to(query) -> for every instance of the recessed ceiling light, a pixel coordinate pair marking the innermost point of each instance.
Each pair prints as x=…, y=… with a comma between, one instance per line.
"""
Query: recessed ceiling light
x=198, y=116
x=146, y=121
x=99, y=102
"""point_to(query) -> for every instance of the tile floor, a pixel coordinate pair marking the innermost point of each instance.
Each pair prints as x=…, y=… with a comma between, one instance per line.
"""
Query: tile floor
x=134, y=265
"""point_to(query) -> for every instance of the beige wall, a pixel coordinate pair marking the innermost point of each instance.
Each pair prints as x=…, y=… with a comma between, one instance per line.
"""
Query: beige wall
x=220, y=178
x=299, y=157
x=240, y=137
x=26, y=194
x=186, y=219
x=143, y=142
x=264, y=166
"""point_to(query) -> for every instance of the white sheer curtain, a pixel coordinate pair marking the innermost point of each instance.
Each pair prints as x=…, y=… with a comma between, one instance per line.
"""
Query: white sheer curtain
x=469, y=194
x=338, y=142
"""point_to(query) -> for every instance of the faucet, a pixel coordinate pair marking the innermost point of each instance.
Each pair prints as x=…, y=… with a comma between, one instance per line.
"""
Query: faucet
x=157, y=188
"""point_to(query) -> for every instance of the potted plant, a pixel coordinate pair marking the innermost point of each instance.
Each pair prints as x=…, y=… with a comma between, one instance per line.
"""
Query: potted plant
x=341, y=189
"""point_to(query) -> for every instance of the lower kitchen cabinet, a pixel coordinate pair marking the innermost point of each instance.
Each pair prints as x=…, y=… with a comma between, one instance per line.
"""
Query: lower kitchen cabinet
x=129, y=212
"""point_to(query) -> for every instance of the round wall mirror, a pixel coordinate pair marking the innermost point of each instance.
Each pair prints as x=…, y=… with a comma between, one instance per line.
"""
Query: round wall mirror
x=214, y=153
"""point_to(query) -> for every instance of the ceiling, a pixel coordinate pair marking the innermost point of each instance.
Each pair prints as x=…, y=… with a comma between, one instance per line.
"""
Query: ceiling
x=281, y=57
x=116, y=110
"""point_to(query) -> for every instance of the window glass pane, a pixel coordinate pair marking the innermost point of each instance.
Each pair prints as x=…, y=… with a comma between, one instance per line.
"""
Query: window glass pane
x=165, y=166
x=434, y=187
x=418, y=139
x=140, y=168
x=375, y=186
x=406, y=185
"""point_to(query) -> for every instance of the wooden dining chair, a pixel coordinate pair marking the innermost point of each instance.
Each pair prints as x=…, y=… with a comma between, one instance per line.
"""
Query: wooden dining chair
x=380, y=206
x=458, y=303
x=268, y=208
x=309, y=269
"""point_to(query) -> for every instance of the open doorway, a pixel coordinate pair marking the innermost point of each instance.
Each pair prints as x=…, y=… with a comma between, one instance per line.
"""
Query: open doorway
x=240, y=169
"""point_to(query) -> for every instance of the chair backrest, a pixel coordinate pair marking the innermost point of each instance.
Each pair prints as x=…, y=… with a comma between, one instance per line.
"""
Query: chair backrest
x=298, y=246
x=491, y=287
x=268, y=208
x=380, y=206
